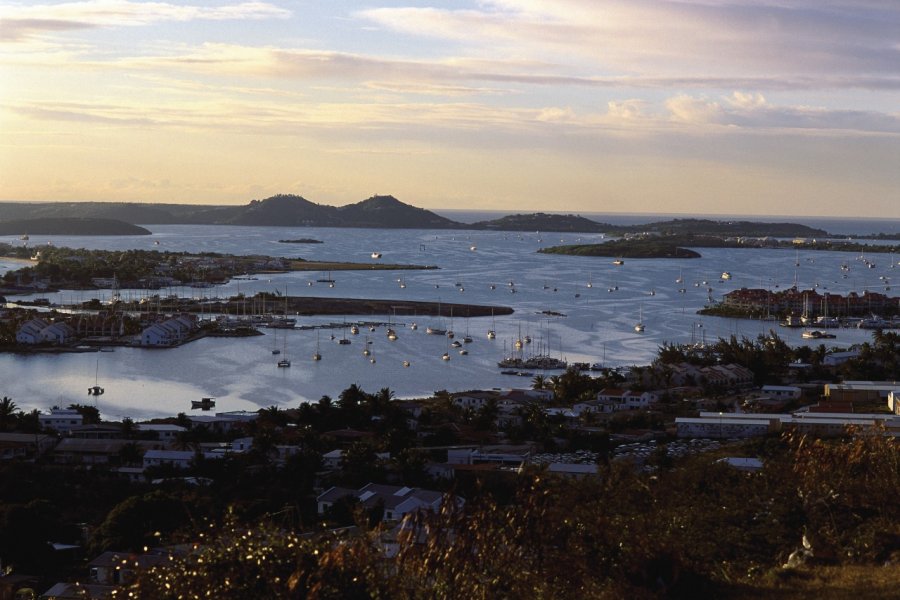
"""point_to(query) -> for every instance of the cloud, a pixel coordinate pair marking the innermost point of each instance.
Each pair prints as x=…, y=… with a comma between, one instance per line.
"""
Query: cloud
x=664, y=39
x=22, y=22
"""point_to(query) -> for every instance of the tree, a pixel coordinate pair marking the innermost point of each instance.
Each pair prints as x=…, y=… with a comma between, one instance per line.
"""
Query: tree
x=7, y=411
x=90, y=415
x=140, y=521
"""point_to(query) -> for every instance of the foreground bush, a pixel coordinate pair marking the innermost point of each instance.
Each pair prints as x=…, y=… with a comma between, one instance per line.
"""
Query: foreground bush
x=695, y=530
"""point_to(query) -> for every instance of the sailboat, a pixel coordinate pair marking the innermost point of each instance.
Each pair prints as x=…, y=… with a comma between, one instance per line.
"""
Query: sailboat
x=344, y=341
x=96, y=390
x=284, y=362
x=275, y=349
x=639, y=327
x=492, y=334
x=317, y=356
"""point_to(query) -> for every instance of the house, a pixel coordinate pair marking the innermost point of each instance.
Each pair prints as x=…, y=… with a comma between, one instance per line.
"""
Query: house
x=120, y=568
x=180, y=459
x=75, y=451
x=171, y=332
x=61, y=419
x=30, y=331
x=834, y=359
x=39, y=331
x=860, y=391
x=164, y=431
x=78, y=591
x=396, y=502
x=509, y=455
x=614, y=399
x=726, y=425
x=224, y=422
x=474, y=399
x=332, y=460
x=780, y=392
x=727, y=376
x=24, y=445
x=58, y=333
x=594, y=406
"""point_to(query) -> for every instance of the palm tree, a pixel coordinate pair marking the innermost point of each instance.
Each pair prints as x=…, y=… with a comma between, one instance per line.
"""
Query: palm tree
x=539, y=382
x=7, y=410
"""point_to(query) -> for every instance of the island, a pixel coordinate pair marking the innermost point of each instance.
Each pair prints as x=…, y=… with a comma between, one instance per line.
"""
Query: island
x=69, y=226
x=649, y=245
x=379, y=211
x=301, y=241
x=54, y=268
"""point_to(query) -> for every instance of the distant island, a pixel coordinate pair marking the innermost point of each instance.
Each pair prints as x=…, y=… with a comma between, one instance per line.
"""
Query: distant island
x=69, y=226
x=382, y=212
x=678, y=246
x=300, y=241
x=544, y=222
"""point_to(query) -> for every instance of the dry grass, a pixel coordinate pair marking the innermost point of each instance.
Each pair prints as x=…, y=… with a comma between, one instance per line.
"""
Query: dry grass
x=859, y=582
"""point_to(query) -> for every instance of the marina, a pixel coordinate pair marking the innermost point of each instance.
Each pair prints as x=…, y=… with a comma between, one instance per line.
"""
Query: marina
x=588, y=326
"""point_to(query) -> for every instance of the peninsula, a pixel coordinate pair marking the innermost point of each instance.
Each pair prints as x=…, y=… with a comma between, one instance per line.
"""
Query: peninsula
x=56, y=268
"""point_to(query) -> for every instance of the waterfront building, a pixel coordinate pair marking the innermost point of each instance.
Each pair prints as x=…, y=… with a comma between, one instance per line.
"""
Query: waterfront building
x=794, y=301
x=171, y=332
x=39, y=331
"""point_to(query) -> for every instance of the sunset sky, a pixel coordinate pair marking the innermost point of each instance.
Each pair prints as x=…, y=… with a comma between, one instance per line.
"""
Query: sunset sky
x=768, y=107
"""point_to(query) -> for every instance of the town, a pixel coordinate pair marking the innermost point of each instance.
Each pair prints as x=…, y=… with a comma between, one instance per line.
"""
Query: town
x=371, y=470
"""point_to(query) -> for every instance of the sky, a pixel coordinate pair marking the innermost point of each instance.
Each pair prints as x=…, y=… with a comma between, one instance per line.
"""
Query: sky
x=752, y=107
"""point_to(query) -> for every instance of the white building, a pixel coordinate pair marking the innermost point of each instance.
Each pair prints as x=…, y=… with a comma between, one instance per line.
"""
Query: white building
x=396, y=501
x=61, y=419
x=170, y=332
x=165, y=432
x=780, y=392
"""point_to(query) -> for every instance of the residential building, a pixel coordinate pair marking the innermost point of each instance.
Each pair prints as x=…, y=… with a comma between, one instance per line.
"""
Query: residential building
x=395, y=501
x=61, y=419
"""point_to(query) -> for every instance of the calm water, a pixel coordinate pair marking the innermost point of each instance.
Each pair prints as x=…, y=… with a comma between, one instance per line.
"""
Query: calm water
x=598, y=326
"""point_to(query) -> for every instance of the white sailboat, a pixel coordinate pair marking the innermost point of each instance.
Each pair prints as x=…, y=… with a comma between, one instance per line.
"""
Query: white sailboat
x=639, y=326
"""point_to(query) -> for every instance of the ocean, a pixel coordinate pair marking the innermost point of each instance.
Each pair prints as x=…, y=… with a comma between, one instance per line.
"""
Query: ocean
x=600, y=303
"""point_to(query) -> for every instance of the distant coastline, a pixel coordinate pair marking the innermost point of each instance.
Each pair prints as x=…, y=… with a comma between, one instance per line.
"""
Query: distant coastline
x=846, y=226
x=387, y=212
